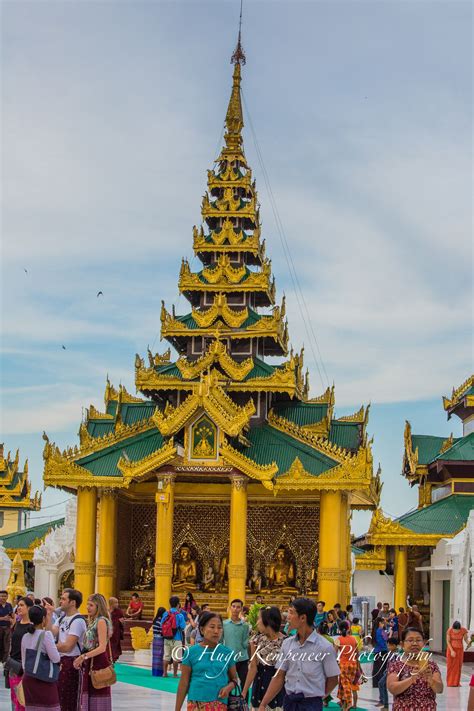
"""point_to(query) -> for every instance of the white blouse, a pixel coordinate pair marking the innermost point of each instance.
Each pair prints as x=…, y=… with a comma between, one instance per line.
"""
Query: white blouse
x=29, y=641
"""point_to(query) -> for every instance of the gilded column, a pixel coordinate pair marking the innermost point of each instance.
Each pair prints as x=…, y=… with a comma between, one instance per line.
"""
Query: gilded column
x=330, y=547
x=164, y=540
x=106, y=564
x=86, y=525
x=237, y=569
x=401, y=575
x=344, y=536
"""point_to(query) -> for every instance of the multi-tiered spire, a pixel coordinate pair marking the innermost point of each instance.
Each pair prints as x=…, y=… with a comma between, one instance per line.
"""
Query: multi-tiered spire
x=225, y=332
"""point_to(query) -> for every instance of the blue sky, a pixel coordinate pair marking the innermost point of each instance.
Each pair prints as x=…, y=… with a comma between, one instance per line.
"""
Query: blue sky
x=111, y=114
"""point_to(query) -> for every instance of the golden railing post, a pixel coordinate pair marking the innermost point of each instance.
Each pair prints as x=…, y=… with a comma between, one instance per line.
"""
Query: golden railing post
x=164, y=540
x=237, y=570
x=86, y=525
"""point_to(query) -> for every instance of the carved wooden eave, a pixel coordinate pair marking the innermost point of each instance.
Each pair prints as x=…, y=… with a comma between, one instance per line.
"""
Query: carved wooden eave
x=313, y=437
x=458, y=393
x=62, y=471
x=385, y=532
x=260, y=472
x=375, y=559
x=412, y=470
x=89, y=444
x=353, y=474
x=210, y=397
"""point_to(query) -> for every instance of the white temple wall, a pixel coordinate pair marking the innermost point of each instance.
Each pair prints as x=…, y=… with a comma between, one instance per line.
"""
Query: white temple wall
x=371, y=583
x=5, y=567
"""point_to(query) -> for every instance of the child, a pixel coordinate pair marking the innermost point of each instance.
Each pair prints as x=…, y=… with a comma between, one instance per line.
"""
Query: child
x=356, y=631
x=393, y=650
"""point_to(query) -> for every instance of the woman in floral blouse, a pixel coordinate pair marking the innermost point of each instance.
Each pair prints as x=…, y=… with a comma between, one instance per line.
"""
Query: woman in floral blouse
x=265, y=648
x=412, y=678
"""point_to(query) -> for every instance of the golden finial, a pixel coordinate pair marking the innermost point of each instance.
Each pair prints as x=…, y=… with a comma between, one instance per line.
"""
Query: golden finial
x=239, y=55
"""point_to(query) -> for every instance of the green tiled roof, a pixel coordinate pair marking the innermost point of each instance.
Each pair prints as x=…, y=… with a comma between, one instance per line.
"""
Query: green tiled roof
x=270, y=445
x=130, y=413
x=170, y=369
x=104, y=462
x=462, y=450
x=260, y=370
x=428, y=447
x=23, y=539
x=446, y=516
x=302, y=413
x=357, y=551
x=345, y=434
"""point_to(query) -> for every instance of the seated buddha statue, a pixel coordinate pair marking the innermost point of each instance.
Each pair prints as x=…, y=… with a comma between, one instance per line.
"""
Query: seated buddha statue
x=147, y=573
x=184, y=570
x=281, y=574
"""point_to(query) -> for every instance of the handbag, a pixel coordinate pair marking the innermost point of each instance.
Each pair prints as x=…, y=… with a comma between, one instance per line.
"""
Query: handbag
x=20, y=694
x=38, y=664
x=101, y=678
x=13, y=667
x=235, y=700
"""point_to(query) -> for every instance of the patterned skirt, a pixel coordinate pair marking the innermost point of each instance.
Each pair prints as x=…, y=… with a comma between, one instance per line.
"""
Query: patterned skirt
x=40, y=695
x=90, y=698
x=206, y=706
x=157, y=656
x=346, y=679
x=68, y=684
x=14, y=681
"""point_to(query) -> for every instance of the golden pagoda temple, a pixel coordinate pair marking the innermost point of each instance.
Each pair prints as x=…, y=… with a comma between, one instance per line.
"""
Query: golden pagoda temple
x=15, y=494
x=443, y=470
x=223, y=476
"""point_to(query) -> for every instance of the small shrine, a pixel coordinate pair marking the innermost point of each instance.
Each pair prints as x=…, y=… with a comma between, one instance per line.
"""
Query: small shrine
x=223, y=476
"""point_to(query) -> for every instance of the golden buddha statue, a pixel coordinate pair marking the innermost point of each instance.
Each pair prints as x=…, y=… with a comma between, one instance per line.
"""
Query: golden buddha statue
x=147, y=573
x=16, y=583
x=184, y=570
x=281, y=574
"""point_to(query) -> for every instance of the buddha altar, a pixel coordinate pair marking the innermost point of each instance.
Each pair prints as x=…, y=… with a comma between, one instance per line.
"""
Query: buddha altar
x=147, y=573
x=184, y=570
x=281, y=574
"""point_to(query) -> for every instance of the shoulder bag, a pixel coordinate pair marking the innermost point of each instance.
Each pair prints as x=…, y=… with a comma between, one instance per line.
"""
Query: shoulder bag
x=101, y=678
x=235, y=701
x=38, y=664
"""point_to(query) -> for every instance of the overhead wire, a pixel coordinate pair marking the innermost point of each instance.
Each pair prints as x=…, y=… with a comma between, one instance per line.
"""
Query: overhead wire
x=299, y=295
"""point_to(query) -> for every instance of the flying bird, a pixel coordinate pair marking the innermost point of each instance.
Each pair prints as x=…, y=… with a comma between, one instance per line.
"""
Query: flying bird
x=63, y=347
x=25, y=270
x=100, y=293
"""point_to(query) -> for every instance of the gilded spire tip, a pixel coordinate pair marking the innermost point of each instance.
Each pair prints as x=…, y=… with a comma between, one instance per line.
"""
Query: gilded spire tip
x=238, y=56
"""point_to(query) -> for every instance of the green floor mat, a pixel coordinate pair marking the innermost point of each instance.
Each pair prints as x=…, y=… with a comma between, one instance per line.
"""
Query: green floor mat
x=129, y=674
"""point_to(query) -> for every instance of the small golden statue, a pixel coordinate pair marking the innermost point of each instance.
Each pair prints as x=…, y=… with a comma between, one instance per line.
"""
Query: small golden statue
x=185, y=570
x=16, y=582
x=255, y=581
x=147, y=573
x=281, y=574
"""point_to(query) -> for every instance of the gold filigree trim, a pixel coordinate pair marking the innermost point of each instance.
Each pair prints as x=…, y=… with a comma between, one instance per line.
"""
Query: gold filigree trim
x=89, y=444
x=143, y=467
x=220, y=308
x=320, y=443
x=375, y=559
x=359, y=416
x=384, y=531
x=224, y=277
x=15, y=485
x=208, y=395
x=458, y=393
x=216, y=353
x=447, y=444
x=261, y=472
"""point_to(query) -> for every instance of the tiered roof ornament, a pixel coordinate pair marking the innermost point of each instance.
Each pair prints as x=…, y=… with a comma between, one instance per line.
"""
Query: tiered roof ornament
x=219, y=403
x=15, y=485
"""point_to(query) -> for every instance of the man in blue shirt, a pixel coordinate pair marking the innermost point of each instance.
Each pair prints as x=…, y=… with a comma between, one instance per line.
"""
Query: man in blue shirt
x=171, y=645
x=321, y=615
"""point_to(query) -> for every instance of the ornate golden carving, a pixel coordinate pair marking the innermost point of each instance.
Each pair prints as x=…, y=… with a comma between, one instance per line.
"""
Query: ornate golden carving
x=163, y=570
x=208, y=394
x=220, y=308
x=15, y=485
x=136, y=470
x=375, y=559
x=224, y=277
x=458, y=393
x=383, y=531
x=331, y=574
x=238, y=482
x=263, y=473
x=94, y=414
x=84, y=568
x=16, y=582
x=320, y=443
x=447, y=444
x=106, y=571
x=358, y=416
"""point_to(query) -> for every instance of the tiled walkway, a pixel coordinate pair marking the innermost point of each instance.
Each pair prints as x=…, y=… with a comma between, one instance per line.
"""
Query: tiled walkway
x=128, y=696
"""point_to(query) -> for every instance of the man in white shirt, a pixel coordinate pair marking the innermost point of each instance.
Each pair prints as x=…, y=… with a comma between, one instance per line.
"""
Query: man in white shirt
x=69, y=632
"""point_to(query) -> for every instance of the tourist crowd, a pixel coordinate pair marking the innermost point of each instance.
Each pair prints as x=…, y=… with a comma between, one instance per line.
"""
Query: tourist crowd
x=58, y=659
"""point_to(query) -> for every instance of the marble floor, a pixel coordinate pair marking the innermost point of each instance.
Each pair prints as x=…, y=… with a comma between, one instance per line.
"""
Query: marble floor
x=127, y=696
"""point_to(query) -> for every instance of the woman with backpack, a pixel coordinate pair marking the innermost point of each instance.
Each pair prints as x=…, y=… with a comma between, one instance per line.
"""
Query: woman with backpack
x=97, y=656
x=39, y=694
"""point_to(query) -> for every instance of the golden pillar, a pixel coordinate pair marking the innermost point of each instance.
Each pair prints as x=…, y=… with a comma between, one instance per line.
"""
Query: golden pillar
x=401, y=575
x=164, y=540
x=86, y=525
x=106, y=564
x=330, y=547
x=344, y=526
x=237, y=569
